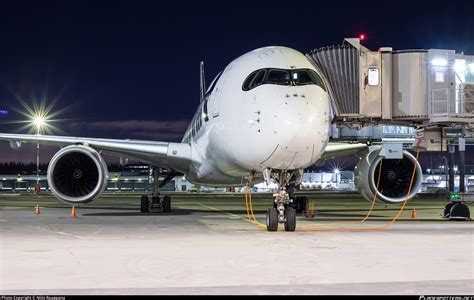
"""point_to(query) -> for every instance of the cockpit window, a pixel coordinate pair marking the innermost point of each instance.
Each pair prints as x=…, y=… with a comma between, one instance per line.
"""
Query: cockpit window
x=258, y=79
x=317, y=79
x=281, y=77
x=301, y=77
x=295, y=77
x=248, y=81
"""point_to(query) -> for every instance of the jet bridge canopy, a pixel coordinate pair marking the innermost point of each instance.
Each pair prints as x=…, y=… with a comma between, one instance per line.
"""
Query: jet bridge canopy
x=422, y=87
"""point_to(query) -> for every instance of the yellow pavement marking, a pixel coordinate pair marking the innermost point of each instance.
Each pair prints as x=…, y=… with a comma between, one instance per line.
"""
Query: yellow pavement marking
x=223, y=212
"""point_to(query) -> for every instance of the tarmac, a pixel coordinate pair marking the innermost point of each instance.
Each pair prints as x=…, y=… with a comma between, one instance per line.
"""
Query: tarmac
x=206, y=246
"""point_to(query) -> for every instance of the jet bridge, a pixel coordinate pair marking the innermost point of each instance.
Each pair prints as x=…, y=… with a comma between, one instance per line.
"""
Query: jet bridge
x=430, y=90
x=405, y=87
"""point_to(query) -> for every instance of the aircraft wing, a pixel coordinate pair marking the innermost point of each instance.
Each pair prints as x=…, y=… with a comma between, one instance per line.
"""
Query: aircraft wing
x=174, y=156
x=335, y=149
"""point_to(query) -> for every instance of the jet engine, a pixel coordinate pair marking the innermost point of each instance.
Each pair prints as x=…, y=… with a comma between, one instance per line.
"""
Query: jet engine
x=395, y=177
x=77, y=174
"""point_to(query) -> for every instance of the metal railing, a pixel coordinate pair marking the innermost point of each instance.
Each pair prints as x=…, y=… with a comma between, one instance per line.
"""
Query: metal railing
x=455, y=103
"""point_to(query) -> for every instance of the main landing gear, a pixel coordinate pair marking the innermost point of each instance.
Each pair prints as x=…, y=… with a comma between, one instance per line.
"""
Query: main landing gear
x=283, y=211
x=157, y=203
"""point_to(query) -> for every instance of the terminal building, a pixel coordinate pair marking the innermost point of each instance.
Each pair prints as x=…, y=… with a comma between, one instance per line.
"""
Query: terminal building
x=434, y=181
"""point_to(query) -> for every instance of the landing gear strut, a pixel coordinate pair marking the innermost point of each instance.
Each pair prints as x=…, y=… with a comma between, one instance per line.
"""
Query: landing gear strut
x=282, y=211
x=157, y=203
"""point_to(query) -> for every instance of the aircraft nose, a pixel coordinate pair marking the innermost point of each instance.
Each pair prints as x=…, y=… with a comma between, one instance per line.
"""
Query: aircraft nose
x=295, y=124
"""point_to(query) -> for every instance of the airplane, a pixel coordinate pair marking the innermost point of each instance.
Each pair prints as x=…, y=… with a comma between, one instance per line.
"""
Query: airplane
x=266, y=115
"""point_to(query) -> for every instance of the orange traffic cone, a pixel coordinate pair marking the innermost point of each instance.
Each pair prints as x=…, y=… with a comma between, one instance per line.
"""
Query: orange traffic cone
x=37, y=209
x=73, y=212
x=413, y=214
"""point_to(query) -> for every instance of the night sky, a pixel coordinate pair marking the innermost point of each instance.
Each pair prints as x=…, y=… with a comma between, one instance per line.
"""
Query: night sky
x=129, y=69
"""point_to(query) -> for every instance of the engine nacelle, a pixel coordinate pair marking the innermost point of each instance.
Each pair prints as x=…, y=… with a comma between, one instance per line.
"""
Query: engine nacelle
x=77, y=174
x=394, y=180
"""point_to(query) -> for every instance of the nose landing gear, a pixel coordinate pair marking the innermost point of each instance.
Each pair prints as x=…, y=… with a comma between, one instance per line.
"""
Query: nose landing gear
x=282, y=212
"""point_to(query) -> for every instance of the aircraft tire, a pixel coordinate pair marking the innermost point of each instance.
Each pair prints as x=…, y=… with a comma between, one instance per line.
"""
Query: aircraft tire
x=290, y=215
x=166, y=204
x=272, y=219
x=144, y=204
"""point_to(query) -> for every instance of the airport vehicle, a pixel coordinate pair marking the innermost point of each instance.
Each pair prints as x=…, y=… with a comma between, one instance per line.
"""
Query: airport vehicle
x=266, y=115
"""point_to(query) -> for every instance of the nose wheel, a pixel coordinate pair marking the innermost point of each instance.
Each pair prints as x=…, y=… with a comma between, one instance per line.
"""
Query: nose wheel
x=289, y=220
x=281, y=213
x=290, y=215
x=272, y=219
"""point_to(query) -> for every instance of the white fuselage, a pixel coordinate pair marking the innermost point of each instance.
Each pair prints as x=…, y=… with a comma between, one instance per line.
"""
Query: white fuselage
x=270, y=126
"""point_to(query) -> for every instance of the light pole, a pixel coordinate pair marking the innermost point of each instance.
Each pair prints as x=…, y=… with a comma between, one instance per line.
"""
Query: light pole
x=337, y=172
x=38, y=123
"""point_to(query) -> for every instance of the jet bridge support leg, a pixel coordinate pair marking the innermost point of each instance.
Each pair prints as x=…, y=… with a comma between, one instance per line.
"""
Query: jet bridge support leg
x=457, y=209
x=462, y=165
x=451, y=160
